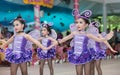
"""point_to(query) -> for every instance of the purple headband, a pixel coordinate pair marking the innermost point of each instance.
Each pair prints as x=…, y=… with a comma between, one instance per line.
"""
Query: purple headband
x=96, y=24
x=85, y=14
x=47, y=24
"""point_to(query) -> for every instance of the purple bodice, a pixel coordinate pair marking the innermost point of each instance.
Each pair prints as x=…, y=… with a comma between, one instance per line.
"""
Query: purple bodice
x=19, y=44
x=45, y=42
x=80, y=43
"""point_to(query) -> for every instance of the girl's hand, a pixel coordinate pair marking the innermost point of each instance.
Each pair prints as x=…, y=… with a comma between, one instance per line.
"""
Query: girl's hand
x=114, y=51
x=109, y=35
x=49, y=47
x=45, y=48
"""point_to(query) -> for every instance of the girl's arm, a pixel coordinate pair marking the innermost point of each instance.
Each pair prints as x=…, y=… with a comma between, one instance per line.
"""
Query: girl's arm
x=101, y=39
x=54, y=42
x=2, y=41
x=109, y=46
x=35, y=41
x=39, y=39
x=70, y=36
x=8, y=42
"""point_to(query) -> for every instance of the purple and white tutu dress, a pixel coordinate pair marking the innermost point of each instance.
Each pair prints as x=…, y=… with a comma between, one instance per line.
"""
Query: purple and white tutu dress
x=19, y=52
x=97, y=49
x=46, y=54
x=98, y=52
x=79, y=53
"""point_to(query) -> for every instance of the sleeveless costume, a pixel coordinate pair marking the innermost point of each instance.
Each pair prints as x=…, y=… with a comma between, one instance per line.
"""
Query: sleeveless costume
x=46, y=54
x=79, y=53
x=19, y=52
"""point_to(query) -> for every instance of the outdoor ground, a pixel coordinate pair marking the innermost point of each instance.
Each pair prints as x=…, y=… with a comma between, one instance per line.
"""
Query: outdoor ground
x=109, y=67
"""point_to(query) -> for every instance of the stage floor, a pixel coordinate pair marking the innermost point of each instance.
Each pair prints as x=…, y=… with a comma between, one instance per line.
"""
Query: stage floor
x=109, y=67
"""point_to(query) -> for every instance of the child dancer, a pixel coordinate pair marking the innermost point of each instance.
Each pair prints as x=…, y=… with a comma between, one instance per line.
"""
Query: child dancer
x=20, y=53
x=98, y=49
x=80, y=55
x=46, y=41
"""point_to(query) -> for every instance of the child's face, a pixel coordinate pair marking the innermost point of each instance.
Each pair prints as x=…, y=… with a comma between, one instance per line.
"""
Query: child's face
x=18, y=26
x=44, y=31
x=81, y=24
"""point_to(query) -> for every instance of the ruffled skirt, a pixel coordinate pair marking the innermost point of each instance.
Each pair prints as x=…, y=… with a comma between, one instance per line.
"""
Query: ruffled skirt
x=99, y=54
x=18, y=57
x=46, y=54
x=77, y=59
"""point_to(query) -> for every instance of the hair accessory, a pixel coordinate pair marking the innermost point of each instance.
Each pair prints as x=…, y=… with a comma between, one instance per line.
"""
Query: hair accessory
x=96, y=24
x=47, y=24
x=75, y=12
x=86, y=14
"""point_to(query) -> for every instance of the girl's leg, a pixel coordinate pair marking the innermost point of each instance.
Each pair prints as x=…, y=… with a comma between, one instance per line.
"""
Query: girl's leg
x=50, y=65
x=28, y=63
x=79, y=69
x=58, y=58
x=42, y=63
x=87, y=69
x=98, y=66
x=92, y=68
x=13, y=69
x=23, y=67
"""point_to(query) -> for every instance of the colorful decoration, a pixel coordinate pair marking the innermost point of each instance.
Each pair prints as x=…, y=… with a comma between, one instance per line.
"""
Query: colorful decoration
x=47, y=3
x=37, y=16
x=76, y=8
x=38, y=3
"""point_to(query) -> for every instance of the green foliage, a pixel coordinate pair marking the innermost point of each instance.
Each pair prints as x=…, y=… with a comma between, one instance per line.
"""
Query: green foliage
x=113, y=22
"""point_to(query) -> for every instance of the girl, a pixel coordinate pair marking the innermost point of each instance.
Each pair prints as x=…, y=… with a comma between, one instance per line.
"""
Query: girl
x=98, y=49
x=20, y=52
x=80, y=55
x=43, y=55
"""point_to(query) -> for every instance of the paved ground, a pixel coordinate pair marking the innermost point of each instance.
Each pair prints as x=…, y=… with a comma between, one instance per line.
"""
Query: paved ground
x=109, y=67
